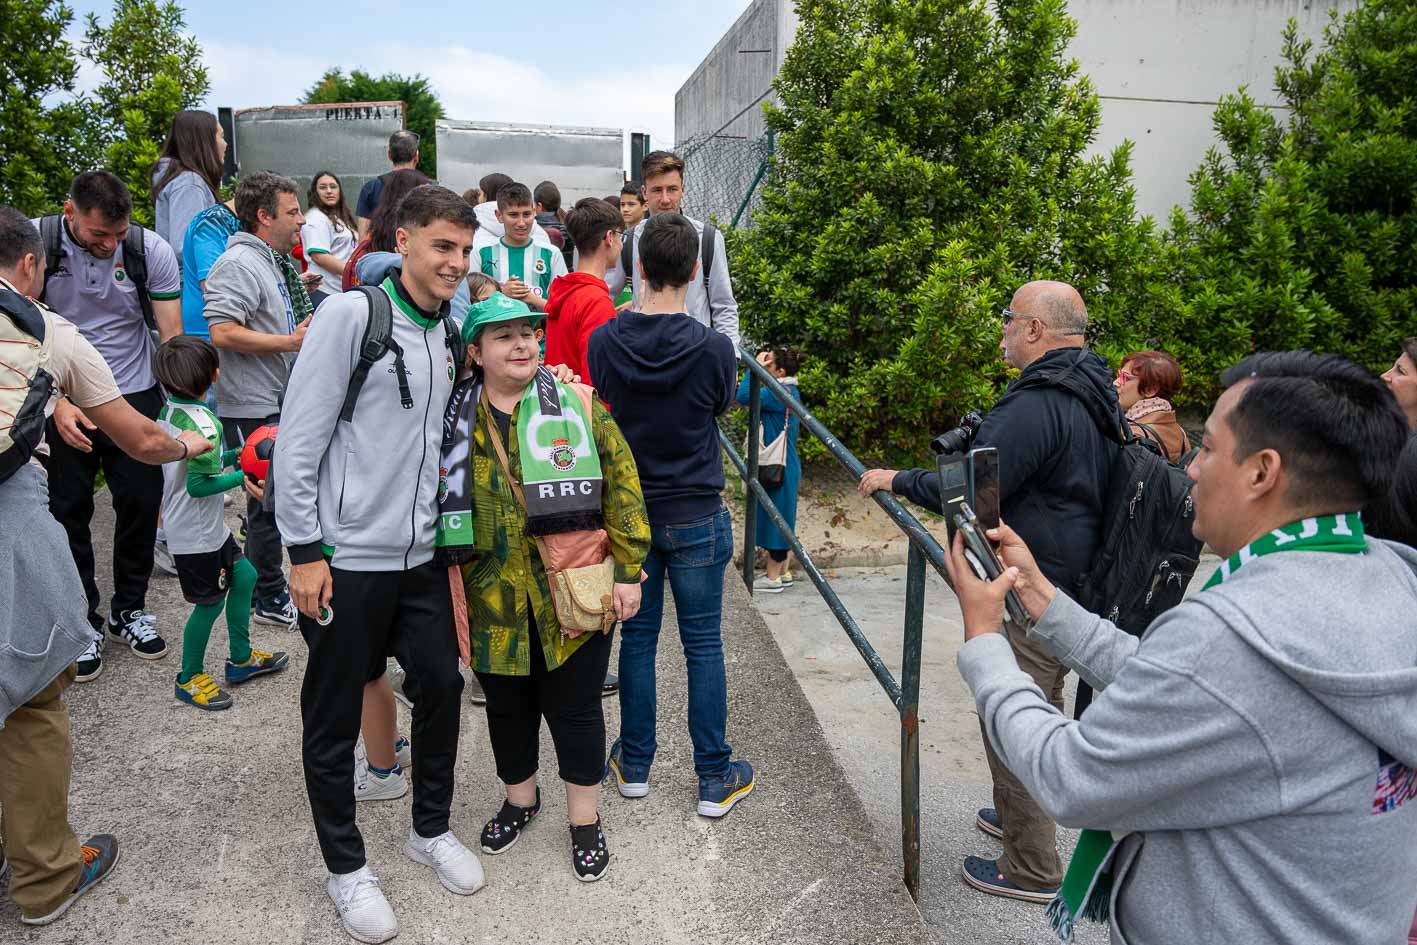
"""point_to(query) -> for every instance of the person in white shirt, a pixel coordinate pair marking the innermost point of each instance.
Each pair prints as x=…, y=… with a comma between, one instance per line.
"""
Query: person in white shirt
x=329, y=234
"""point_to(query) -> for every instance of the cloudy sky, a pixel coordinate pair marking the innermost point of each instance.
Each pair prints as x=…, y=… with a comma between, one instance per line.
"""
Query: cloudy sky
x=574, y=62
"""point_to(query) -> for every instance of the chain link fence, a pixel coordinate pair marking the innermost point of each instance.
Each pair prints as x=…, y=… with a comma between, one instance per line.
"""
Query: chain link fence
x=723, y=177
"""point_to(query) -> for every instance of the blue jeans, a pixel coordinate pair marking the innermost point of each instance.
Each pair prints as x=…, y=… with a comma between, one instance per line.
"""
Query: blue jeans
x=694, y=554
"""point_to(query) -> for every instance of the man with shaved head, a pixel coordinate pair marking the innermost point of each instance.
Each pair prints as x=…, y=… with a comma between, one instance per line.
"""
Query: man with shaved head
x=1054, y=464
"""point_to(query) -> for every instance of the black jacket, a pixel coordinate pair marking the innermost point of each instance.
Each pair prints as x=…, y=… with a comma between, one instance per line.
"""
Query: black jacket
x=1054, y=462
x=665, y=379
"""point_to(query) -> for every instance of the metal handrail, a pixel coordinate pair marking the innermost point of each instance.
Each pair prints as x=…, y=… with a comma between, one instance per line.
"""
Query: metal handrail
x=905, y=693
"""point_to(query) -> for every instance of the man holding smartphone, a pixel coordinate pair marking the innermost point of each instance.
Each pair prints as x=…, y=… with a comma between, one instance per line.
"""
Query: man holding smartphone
x=1054, y=465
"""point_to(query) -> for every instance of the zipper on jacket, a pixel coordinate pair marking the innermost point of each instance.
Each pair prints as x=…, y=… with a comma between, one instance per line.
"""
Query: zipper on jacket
x=422, y=458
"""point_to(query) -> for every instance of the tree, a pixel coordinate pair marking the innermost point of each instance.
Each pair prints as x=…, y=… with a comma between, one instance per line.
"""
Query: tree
x=422, y=108
x=930, y=160
x=1302, y=230
x=152, y=69
x=36, y=62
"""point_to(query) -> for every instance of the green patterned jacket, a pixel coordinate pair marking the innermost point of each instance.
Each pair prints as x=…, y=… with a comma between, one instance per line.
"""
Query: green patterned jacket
x=507, y=575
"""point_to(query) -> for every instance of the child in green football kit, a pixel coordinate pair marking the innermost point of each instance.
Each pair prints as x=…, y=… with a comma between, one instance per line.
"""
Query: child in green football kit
x=522, y=267
x=210, y=566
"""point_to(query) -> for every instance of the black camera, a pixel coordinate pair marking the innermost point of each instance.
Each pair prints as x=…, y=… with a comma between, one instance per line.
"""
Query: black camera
x=958, y=439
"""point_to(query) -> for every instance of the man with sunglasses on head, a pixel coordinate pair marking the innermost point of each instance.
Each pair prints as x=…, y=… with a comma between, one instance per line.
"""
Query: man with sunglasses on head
x=1054, y=465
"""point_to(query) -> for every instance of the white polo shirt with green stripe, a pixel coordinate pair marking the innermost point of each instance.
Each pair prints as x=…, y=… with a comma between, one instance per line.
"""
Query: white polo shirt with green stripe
x=534, y=264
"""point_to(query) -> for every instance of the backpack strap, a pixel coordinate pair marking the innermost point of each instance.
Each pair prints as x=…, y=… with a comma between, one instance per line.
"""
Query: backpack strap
x=1118, y=431
x=50, y=228
x=453, y=339
x=135, y=264
x=1150, y=435
x=23, y=313
x=378, y=338
x=708, y=246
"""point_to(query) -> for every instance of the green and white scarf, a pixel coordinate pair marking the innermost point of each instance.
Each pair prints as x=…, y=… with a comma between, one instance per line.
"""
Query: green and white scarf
x=300, y=303
x=560, y=465
x=1087, y=886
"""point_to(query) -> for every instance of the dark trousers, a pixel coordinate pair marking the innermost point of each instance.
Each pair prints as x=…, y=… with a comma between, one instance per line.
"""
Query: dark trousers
x=410, y=613
x=568, y=697
x=263, y=547
x=136, y=490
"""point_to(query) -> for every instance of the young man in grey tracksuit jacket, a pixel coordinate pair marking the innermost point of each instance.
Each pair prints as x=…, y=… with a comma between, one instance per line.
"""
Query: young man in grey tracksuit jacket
x=1256, y=750
x=356, y=503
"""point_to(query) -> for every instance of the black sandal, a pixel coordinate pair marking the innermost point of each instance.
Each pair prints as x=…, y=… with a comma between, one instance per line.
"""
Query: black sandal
x=589, y=856
x=503, y=831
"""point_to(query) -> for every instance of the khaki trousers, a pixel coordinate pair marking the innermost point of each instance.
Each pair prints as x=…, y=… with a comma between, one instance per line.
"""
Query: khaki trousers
x=35, y=757
x=1030, y=859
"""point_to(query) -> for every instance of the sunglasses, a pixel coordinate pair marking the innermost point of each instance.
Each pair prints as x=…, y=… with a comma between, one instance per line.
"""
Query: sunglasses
x=1126, y=377
x=1009, y=315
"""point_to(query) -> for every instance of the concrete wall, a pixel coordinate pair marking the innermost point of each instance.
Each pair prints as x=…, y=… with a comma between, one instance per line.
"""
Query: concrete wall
x=1159, y=65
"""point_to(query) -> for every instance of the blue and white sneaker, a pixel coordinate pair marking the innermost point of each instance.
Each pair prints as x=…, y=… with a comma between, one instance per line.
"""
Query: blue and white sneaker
x=277, y=611
x=718, y=795
x=631, y=780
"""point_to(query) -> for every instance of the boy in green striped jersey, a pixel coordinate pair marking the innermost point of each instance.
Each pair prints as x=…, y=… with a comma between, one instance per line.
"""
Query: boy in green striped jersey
x=522, y=268
x=210, y=566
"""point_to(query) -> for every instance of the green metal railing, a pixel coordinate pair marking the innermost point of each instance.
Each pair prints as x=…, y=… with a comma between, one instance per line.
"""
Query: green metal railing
x=905, y=693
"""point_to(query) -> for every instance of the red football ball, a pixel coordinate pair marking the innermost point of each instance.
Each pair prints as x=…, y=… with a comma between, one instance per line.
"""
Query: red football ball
x=256, y=454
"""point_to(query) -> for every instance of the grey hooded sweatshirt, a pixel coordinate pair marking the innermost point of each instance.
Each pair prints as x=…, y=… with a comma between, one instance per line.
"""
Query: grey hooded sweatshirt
x=1257, y=746
x=365, y=491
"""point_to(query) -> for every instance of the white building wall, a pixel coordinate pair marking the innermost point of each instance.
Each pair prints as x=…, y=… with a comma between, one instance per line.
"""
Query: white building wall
x=1159, y=66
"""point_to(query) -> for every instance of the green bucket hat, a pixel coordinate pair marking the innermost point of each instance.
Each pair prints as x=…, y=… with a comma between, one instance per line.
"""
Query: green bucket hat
x=495, y=308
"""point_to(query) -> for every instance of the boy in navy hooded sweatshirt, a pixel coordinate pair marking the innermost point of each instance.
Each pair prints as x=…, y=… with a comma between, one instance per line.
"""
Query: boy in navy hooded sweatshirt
x=666, y=378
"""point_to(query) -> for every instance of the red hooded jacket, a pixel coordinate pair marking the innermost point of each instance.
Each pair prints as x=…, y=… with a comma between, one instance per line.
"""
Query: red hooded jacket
x=577, y=304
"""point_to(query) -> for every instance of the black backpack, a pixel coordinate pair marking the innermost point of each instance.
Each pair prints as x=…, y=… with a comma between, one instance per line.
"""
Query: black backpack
x=1147, y=555
x=135, y=260
x=378, y=339
x=708, y=247
x=28, y=386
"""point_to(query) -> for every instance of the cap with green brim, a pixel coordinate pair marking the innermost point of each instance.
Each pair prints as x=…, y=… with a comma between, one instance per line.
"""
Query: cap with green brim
x=495, y=308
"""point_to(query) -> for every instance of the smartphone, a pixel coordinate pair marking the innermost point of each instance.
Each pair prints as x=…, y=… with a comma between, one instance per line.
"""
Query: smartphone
x=954, y=487
x=984, y=486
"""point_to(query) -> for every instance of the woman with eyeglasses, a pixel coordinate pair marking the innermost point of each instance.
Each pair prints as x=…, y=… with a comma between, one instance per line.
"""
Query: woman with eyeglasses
x=1146, y=382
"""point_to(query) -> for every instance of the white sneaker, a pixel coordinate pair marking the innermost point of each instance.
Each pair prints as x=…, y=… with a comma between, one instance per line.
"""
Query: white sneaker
x=458, y=868
x=366, y=914
x=767, y=585
x=370, y=787
x=396, y=677
x=403, y=754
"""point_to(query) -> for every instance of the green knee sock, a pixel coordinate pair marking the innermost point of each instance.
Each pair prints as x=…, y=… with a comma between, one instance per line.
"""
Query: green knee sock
x=194, y=639
x=238, y=610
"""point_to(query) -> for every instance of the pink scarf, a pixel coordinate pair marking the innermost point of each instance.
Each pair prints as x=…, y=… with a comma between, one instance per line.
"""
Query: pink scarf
x=1148, y=405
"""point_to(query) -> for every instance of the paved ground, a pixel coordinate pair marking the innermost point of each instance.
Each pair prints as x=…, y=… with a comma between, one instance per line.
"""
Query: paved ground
x=863, y=729
x=218, y=845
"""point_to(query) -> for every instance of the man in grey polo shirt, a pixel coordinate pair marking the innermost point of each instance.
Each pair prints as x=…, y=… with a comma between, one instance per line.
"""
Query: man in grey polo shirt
x=257, y=310
x=91, y=288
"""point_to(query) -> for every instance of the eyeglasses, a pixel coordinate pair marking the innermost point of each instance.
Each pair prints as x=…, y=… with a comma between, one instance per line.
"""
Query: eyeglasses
x=1009, y=315
x=1126, y=377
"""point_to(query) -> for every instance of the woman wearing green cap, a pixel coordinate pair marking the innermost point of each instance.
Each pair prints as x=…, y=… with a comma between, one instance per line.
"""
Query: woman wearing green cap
x=535, y=469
